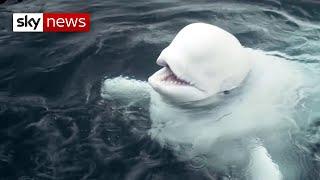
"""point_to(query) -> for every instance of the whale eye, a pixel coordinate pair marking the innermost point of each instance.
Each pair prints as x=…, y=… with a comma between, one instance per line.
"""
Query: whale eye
x=226, y=92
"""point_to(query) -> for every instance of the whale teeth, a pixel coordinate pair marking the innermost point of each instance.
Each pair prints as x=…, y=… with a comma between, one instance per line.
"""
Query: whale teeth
x=169, y=77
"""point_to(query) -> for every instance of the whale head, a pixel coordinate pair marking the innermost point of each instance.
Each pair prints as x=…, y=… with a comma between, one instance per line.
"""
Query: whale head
x=202, y=61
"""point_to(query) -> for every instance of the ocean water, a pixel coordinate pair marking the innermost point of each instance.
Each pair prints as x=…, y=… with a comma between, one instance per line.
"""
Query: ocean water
x=54, y=124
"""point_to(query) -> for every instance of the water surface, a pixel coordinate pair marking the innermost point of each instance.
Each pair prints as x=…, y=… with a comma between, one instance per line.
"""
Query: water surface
x=54, y=123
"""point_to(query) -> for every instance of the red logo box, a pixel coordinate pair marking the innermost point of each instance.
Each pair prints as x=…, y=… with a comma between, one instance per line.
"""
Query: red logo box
x=66, y=22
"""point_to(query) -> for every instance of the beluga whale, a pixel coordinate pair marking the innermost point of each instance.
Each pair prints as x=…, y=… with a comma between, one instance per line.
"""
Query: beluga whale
x=217, y=99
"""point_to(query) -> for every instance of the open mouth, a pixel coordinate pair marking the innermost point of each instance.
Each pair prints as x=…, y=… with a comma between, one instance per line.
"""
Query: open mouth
x=168, y=76
x=170, y=83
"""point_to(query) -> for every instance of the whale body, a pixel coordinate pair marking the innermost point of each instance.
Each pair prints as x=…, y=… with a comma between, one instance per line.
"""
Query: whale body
x=216, y=98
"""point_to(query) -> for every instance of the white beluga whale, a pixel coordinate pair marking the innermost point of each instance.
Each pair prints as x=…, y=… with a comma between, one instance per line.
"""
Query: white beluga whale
x=217, y=99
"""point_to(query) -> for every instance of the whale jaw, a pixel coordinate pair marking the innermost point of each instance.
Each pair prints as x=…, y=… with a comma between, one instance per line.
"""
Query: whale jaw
x=168, y=84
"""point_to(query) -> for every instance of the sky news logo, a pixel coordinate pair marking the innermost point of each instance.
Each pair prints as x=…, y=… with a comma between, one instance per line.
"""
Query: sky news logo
x=51, y=22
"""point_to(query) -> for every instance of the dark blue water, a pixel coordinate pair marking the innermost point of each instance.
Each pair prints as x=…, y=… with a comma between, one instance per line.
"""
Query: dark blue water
x=54, y=123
